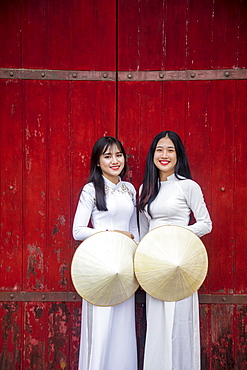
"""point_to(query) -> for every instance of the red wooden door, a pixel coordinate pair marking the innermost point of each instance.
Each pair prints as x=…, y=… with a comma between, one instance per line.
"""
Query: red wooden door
x=72, y=71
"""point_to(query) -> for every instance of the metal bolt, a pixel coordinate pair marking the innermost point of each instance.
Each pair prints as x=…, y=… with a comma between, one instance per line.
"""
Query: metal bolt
x=74, y=296
x=161, y=75
x=74, y=75
x=224, y=299
x=129, y=75
x=43, y=297
x=222, y=189
x=192, y=75
x=105, y=75
x=11, y=187
x=42, y=74
x=11, y=74
x=11, y=296
x=227, y=74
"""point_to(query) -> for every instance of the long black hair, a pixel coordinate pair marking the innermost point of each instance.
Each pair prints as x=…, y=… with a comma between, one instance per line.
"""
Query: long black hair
x=100, y=147
x=151, y=184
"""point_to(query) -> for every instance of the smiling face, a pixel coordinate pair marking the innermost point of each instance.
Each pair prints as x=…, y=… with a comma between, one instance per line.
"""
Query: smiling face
x=165, y=158
x=112, y=163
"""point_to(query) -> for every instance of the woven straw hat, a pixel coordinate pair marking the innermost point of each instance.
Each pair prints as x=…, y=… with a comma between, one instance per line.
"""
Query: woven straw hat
x=170, y=263
x=102, y=268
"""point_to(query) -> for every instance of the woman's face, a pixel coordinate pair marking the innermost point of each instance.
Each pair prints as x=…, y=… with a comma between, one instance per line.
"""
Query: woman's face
x=165, y=158
x=112, y=163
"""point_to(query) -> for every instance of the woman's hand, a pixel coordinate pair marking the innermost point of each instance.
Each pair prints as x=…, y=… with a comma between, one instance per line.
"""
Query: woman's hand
x=127, y=233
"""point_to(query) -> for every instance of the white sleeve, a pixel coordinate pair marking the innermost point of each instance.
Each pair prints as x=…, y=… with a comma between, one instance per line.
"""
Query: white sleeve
x=143, y=220
x=195, y=200
x=143, y=224
x=83, y=213
x=133, y=226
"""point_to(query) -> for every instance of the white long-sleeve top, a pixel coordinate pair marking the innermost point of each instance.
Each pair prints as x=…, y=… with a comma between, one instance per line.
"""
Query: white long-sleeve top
x=121, y=214
x=173, y=205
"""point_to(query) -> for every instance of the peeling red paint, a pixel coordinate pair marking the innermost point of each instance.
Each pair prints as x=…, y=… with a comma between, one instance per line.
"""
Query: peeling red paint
x=10, y=340
x=58, y=318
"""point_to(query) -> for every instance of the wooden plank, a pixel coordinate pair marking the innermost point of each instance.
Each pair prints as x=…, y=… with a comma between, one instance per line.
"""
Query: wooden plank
x=175, y=34
x=34, y=34
x=58, y=22
x=35, y=335
x=174, y=107
x=152, y=41
x=83, y=34
x=35, y=248
x=11, y=335
x=59, y=186
x=140, y=105
x=225, y=33
x=198, y=130
x=240, y=336
x=242, y=41
x=74, y=334
x=241, y=185
x=205, y=316
x=222, y=329
x=11, y=185
x=141, y=327
x=199, y=34
x=92, y=44
x=10, y=34
x=128, y=34
x=93, y=112
x=223, y=166
x=58, y=329
x=106, y=35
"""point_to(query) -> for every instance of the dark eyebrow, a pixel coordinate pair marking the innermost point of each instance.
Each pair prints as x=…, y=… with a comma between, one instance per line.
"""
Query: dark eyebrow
x=160, y=146
x=111, y=153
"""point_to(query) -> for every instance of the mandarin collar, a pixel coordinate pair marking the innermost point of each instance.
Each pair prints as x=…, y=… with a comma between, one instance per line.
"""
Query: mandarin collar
x=111, y=184
x=169, y=178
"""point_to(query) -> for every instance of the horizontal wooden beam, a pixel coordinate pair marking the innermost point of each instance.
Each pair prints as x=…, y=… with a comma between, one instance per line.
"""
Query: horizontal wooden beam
x=39, y=297
x=64, y=75
x=186, y=75
x=60, y=75
x=140, y=297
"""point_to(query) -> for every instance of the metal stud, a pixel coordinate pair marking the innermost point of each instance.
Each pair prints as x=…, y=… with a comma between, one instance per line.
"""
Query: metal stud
x=161, y=75
x=74, y=75
x=227, y=74
x=223, y=188
x=129, y=75
x=105, y=75
x=192, y=75
x=42, y=74
x=11, y=73
x=11, y=296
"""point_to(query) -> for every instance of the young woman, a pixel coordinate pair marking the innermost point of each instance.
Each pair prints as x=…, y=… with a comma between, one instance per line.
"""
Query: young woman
x=167, y=197
x=108, y=337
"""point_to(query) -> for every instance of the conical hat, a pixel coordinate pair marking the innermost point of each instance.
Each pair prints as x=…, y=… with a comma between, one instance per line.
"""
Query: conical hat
x=102, y=268
x=170, y=263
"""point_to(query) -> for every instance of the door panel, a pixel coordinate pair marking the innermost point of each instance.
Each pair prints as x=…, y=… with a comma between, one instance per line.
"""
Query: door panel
x=50, y=121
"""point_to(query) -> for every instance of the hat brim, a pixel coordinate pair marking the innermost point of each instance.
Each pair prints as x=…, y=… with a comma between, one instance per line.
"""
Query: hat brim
x=102, y=268
x=170, y=263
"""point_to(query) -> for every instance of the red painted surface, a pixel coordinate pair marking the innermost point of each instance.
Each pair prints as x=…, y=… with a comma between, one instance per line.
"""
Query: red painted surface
x=47, y=132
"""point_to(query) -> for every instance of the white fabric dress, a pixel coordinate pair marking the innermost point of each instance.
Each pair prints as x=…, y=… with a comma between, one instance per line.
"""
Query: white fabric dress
x=173, y=336
x=108, y=336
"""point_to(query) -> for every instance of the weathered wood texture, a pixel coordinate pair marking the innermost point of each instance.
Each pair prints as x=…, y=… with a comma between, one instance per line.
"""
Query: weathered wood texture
x=48, y=128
